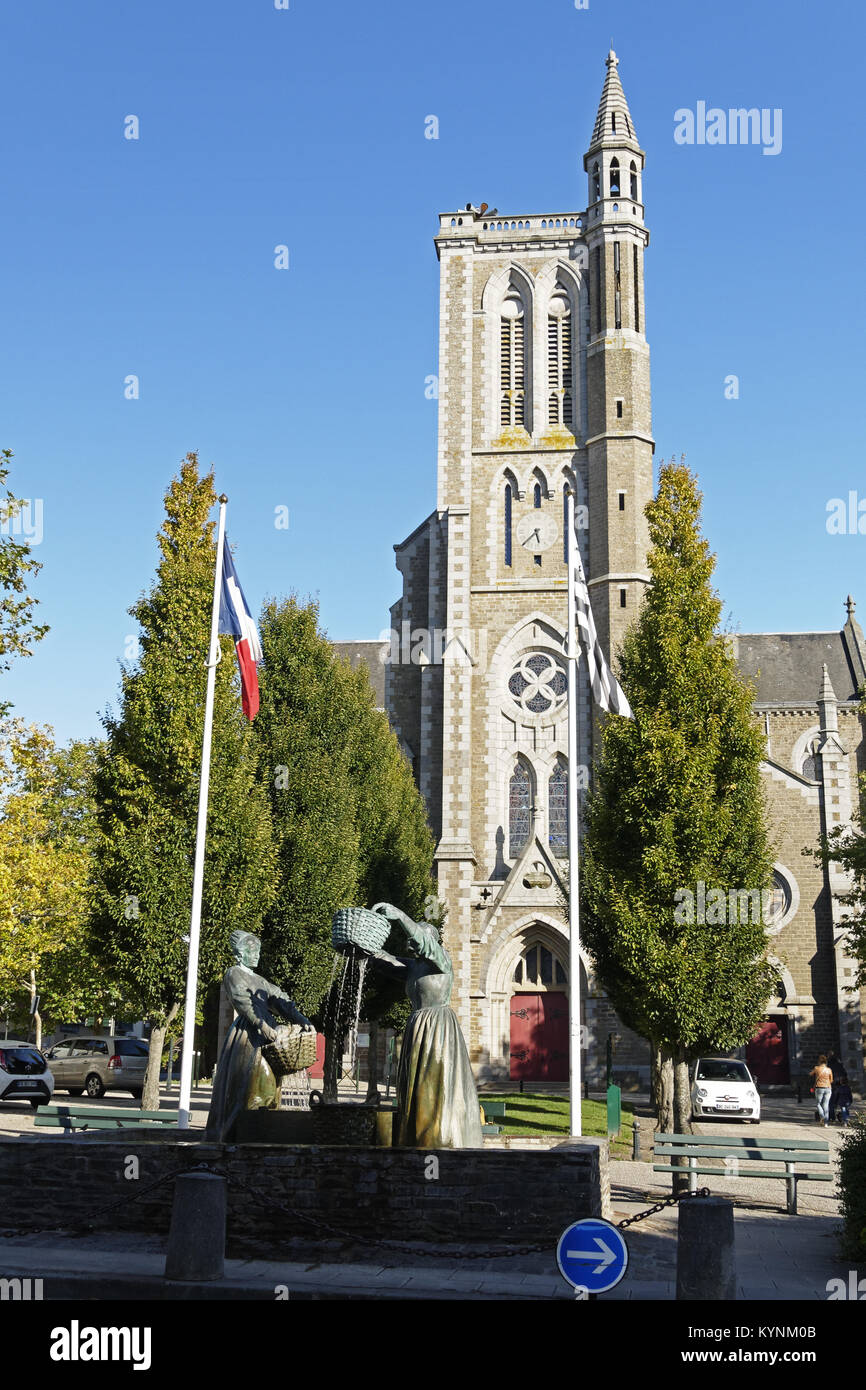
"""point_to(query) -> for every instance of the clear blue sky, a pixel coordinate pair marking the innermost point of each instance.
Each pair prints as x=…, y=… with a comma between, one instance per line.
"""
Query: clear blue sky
x=306, y=387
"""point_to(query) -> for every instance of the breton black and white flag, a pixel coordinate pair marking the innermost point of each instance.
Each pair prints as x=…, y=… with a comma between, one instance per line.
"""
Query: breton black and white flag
x=606, y=689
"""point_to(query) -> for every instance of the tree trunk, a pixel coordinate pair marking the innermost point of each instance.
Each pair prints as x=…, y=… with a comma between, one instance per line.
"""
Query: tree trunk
x=662, y=1086
x=150, y=1092
x=682, y=1114
x=37, y=1017
x=682, y=1094
x=372, y=1095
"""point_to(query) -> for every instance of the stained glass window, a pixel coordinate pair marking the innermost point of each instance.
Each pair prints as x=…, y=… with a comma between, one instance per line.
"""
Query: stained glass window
x=520, y=796
x=557, y=810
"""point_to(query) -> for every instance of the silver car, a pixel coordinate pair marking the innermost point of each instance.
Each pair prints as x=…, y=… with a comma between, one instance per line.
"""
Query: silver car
x=97, y=1065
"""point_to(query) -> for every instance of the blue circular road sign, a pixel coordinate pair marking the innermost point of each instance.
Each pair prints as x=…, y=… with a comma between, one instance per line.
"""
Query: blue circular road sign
x=592, y=1255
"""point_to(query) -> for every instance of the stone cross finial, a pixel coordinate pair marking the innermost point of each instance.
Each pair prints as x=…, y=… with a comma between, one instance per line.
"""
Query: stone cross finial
x=850, y=606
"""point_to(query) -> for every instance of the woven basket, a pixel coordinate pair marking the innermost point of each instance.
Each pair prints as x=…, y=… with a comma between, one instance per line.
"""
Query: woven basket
x=357, y=926
x=293, y=1050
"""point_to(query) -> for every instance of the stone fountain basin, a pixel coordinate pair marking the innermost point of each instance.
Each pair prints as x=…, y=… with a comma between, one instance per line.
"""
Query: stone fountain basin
x=340, y=1124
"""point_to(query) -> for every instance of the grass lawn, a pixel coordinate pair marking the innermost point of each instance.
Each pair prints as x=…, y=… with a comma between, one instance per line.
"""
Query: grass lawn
x=543, y=1114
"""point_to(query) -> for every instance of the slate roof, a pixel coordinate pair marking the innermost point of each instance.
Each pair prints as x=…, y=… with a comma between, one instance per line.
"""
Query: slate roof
x=787, y=666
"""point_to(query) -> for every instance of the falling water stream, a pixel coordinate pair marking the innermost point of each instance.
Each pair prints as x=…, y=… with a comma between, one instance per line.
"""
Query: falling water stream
x=342, y=1015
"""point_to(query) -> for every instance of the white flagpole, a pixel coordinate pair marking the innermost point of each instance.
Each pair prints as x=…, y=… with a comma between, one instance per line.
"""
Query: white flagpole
x=573, y=843
x=201, y=830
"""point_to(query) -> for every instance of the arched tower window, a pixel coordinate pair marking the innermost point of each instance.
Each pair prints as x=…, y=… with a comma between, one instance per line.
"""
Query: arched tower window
x=633, y=180
x=565, y=522
x=614, y=178
x=512, y=364
x=519, y=809
x=560, y=393
x=557, y=810
x=596, y=183
x=508, y=497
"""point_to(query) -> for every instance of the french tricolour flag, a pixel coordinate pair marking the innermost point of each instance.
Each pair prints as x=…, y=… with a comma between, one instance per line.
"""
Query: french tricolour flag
x=235, y=618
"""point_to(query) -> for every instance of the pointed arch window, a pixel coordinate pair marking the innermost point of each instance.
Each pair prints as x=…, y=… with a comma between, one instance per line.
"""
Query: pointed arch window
x=614, y=178
x=519, y=809
x=536, y=495
x=557, y=810
x=539, y=966
x=508, y=496
x=596, y=183
x=560, y=397
x=512, y=360
x=633, y=181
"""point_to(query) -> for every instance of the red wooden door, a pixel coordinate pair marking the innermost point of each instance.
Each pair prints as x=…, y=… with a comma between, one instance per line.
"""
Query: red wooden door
x=767, y=1054
x=318, y=1067
x=539, y=1037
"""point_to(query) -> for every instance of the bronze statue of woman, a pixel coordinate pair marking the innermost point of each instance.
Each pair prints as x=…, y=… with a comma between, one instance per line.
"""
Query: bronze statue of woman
x=437, y=1100
x=244, y=1081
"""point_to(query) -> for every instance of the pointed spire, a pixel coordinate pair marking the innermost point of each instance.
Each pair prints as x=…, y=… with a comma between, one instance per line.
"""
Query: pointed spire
x=614, y=118
x=827, y=691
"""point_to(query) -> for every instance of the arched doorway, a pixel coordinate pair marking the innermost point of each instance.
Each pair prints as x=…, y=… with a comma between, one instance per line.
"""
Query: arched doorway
x=767, y=1053
x=538, y=1012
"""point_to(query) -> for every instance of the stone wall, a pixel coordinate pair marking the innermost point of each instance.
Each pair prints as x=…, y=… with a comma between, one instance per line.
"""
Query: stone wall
x=279, y=1193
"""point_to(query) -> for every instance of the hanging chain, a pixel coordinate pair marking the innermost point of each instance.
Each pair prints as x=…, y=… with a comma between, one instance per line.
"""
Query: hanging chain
x=660, y=1206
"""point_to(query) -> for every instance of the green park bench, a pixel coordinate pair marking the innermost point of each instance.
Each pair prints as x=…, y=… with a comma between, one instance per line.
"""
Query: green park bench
x=746, y=1150
x=72, y=1117
x=493, y=1110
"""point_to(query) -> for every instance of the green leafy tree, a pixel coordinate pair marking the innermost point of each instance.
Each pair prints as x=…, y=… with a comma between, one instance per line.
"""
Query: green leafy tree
x=46, y=840
x=147, y=783
x=678, y=802
x=349, y=822
x=18, y=631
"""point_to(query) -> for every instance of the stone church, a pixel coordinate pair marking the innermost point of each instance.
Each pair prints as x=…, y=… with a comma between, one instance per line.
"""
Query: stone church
x=544, y=385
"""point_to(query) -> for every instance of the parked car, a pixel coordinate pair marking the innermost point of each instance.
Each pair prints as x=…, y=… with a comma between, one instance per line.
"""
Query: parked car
x=723, y=1086
x=97, y=1065
x=24, y=1073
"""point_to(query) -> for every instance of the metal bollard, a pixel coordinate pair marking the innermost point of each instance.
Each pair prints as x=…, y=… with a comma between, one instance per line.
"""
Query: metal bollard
x=706, y=1268
x=197, y=1237
x=635, y=1140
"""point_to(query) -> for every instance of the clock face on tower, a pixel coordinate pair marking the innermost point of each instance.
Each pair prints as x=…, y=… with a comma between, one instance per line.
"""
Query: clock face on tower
x=536, y=532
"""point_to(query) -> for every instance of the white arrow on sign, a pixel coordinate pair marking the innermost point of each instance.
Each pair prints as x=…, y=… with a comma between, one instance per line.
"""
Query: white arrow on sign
x=604, y=1255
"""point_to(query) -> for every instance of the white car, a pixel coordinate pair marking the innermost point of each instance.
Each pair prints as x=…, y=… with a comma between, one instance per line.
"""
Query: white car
x=24, y=1074
x=723, y=1087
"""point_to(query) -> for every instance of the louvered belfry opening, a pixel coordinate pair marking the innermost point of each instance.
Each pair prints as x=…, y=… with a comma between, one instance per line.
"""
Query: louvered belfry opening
x=512, y=364
x=560, y=406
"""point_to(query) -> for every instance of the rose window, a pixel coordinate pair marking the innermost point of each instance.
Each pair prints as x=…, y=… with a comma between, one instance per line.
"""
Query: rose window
x=538, y=684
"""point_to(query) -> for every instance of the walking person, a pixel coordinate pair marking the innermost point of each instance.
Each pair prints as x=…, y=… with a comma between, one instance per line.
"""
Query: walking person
x=835, y=1065
x=822, y=1078
x=843, y=1099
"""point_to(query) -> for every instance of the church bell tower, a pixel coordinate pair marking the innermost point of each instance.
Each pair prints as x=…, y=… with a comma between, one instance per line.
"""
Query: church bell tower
x=543, y=388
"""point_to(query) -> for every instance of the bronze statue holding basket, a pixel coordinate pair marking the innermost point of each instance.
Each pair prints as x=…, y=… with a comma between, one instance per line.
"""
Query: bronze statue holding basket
x=260, y=1048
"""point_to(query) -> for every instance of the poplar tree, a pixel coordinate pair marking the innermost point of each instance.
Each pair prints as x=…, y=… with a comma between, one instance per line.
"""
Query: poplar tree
x=147, y=783
x=677, y=801
x=349, y=823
